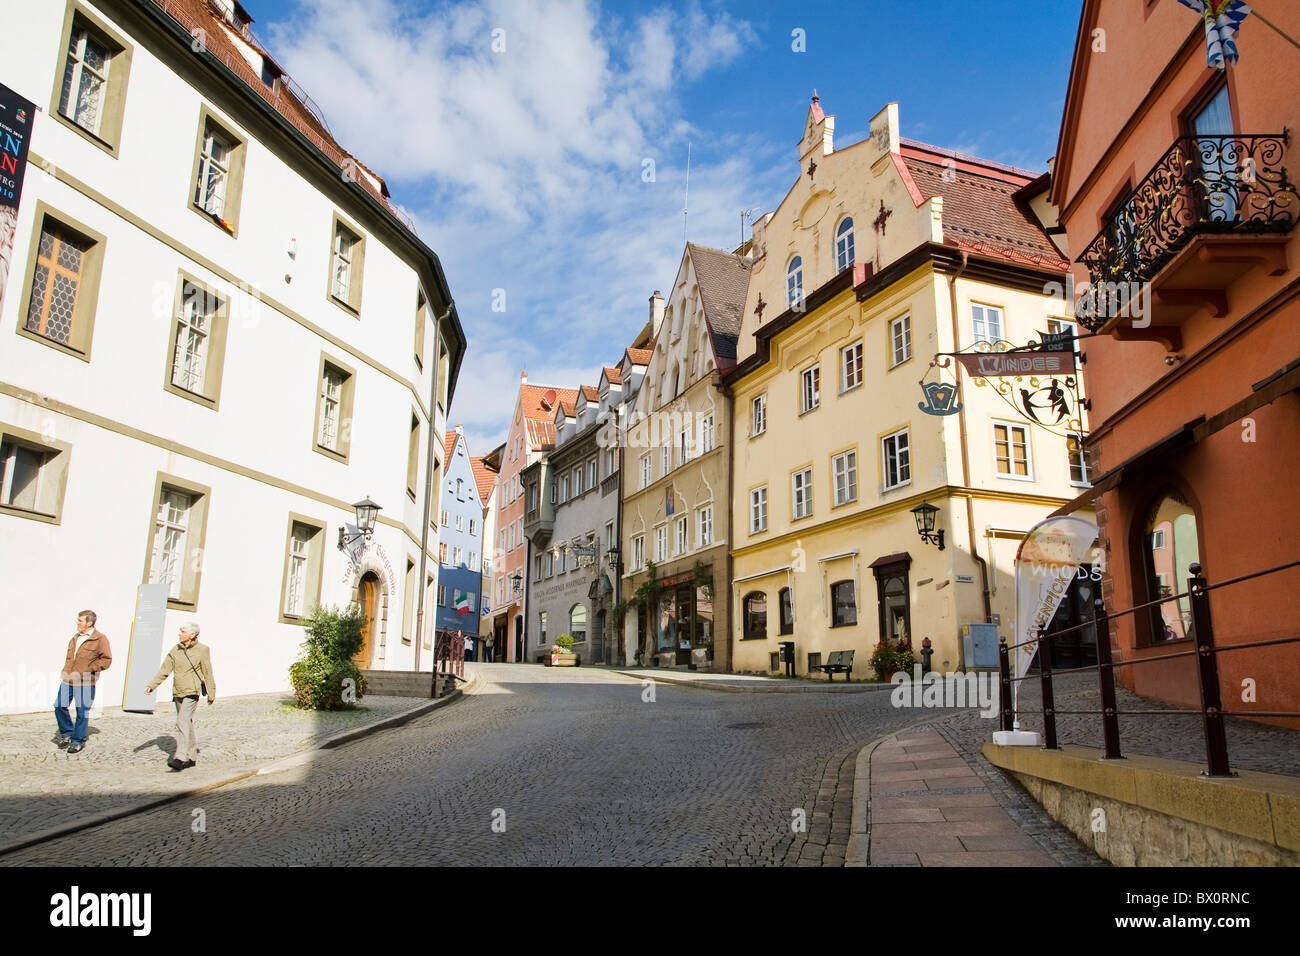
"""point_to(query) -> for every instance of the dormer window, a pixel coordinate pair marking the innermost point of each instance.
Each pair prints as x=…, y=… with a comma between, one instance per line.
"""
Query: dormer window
x=844, y=245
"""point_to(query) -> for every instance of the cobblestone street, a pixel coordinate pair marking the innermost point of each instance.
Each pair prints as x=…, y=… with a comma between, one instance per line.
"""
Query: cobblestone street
x=578, y=767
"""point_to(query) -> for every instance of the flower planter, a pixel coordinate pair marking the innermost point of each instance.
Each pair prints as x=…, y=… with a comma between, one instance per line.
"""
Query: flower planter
x=563, y=659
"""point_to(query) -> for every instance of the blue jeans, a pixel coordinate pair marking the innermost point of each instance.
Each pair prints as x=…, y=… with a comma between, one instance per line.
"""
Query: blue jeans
x=84, y=695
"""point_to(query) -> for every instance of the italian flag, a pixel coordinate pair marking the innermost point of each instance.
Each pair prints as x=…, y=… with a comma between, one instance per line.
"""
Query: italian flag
x=462, y=603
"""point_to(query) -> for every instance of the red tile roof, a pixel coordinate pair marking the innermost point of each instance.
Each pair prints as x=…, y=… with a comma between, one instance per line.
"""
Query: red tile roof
x=640, y=356
x=483, y=478
x=539, y=401
x=448, y=446
x=613, y=375
x=980, y=212
x=590, y=393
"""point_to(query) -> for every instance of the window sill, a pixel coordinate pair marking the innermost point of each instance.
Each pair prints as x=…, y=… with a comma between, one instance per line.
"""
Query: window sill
x=886, y=489
x=846, y=624
x=754, y=435
x=296, y=620
x=760, y=637
x=795, y=519
x=356, y=314
x=57, y=346
x=41, y=516
x=227, y=226
x=899, y=364
x=330, y=453
x=92, y=138
x=1015, y=477
x=851, y=388
x=844, y=504
x=809, y=411
x=195, y=397
x=1081, y=484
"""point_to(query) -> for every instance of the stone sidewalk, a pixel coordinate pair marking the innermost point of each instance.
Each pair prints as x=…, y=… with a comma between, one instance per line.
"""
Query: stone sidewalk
x=125, y=760
x=749, y=683
x=930, y=808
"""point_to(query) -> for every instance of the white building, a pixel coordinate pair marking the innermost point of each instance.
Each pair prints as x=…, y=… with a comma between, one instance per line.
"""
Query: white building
x=219, y=335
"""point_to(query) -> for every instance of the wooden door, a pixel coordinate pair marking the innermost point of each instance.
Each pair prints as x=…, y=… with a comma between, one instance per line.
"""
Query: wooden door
x=368, y=597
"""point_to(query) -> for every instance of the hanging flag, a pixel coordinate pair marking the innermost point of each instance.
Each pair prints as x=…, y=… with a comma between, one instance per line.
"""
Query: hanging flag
x=462, y=603
x=1222, y=20
x=1047, y=563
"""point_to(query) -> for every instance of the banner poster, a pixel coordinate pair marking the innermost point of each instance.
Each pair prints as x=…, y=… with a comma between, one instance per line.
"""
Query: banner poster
x=1049, y=559
x=16, y=117
x=146, y=649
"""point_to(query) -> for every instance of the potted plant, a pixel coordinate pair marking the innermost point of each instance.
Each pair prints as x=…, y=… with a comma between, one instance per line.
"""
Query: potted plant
x=562, y=652
x=891, y=657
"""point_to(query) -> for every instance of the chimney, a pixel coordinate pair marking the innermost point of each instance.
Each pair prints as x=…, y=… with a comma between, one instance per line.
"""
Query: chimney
x=460, y=430
x=656, y=312
x=523, y=377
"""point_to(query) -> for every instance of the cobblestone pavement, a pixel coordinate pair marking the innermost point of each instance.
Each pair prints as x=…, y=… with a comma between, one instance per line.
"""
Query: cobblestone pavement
x=575, y=764
x=1251, y=745
x=125, y=760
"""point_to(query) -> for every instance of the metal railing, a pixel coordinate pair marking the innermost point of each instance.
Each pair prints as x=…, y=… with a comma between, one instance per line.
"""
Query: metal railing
x=1202, y=184
x=1211, y=709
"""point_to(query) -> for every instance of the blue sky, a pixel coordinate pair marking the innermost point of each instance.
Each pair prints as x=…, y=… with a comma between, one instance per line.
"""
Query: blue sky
x=523, y=166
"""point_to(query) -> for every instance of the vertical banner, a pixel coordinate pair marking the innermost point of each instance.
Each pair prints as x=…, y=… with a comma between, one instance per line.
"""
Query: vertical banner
x=16, y=116
x=145, y=653
x=1047, y=563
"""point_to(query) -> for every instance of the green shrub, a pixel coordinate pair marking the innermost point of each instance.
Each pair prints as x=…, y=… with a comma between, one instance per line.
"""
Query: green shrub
x=564, y=641
x=325, y=677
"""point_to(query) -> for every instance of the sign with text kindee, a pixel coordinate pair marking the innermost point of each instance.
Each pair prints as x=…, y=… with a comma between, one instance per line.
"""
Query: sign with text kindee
x=16, y=115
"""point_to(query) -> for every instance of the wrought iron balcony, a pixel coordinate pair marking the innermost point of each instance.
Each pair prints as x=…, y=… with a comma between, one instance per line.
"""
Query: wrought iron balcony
x=1202, y=186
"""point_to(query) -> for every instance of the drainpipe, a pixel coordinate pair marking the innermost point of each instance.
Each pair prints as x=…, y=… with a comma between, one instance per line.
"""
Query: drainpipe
x=965, y=451
x=428, y=493
x=731, y=491
x=618, y=540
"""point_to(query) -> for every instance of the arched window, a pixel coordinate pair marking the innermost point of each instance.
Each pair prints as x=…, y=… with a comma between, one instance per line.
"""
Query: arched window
x=844, y=605
x=794, y=281
x=755, y=615
x=1169, y=545
x=787, y=610
x=844, y=245
x=578, y=623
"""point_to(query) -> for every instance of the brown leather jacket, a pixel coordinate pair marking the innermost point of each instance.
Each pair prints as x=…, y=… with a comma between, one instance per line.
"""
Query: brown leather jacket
x=93, y=656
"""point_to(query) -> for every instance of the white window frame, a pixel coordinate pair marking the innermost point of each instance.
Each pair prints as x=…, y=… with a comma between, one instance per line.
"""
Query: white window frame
x=638, y=552
x=794, y=281
x=899, y=355
x=758, y=415
x=210, y=189
x=758, y=509
x=646, y=470
x=331, y=399
x=661, y=544
x=171, y=534
x=810, y=388
x=704, y=526
x=76, y=64
x=844, y=257
x=844, y=477
x=847, y=354
x=903, y=457
x=193, y=336
x=1082, y=461
x=706, y=434
x=342, y=254
x=1012, y=427
x=801, y=497
x=982, y=326
x=682, y=534
x=667, y=458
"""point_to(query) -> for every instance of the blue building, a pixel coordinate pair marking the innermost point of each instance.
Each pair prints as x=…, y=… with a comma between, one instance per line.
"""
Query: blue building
x=460, y=542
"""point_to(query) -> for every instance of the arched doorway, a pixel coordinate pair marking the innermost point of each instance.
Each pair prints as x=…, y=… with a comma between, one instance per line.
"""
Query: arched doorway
x=368, y=598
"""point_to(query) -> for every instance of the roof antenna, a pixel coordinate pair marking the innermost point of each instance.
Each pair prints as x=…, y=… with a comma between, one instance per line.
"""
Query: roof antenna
x=687, y=207
x=744, y=214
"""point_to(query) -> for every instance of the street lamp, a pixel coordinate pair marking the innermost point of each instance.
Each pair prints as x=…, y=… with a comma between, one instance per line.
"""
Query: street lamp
x=612, y=555
x=925, y=514
x=517, y=579
x=366, y=511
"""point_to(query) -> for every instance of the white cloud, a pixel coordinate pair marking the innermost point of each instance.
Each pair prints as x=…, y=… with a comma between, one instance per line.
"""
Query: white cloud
x=524, y=167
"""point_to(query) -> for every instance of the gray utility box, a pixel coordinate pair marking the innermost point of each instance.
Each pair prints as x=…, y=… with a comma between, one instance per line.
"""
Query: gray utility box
x=979, y=645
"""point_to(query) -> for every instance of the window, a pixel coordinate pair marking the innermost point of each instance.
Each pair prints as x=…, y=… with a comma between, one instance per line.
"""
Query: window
x=537, y=567
x=460, y=489
x=541, y=629
x=810, y=383
x=197, y=344
x=176, y=547
x=473, y=560
x=1011, y=450
x=304, y=562
x=896, y=459
x=347, y=255
x=577, y=481
x=609, y=535
x=1219, y=175
x=667, y=458
x=844, y=245
x=578, y=623
x=704, y=522
x=457, y=555
x=758, y=415
x=460, y=522
x=758, y=510
x=851, y=366
x=684, y=447
x=1171, y=543
x=755, y=616
x=844, y=606
x=794, y=284
x=801, y=494
x=683, y=534
x=591, y=473
x=62, y=288
x=334, y=409
x=442, y=595
x=785, y=597
x=94, y=65
x=986, y=323
x=408, y=603
x=611, y=461
x=706, y=434
x=421, y=320
x=661, y=545
x=844, y=468
x=413, y=462
x=442, y=552
x=554, y=489
x=645, y=471
x=1069, y=333
x=900, y=340
x=550, y=563
x=1080, y=460
x=33, y=475
x=638, y=552
x=218, y=175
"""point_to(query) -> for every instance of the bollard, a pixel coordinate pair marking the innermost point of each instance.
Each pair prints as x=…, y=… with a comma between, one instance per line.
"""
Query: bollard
x=1004, y=684
x=1106, y=678
x=1049, y=698
x=1216, y=740
x=926, y=653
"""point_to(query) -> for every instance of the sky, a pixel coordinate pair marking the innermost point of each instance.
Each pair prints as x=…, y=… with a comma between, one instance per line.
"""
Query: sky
x=541, y=146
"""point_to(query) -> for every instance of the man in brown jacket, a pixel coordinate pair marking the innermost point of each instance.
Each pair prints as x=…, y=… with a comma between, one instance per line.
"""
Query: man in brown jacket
x=190, y=664
x=88, y=654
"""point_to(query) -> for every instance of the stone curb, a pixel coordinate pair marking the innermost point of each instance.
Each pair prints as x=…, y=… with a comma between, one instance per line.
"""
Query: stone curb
x=758, y=688
x=859, y=851
x=86, y=823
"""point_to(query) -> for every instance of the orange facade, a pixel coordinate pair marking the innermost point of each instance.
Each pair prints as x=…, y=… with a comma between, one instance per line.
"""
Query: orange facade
x=1178, y=177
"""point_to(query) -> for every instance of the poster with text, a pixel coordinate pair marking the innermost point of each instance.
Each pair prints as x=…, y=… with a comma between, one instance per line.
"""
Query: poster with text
x=16, y=116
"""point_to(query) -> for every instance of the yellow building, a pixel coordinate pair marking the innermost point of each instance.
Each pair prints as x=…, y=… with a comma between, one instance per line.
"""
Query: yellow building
x=881, y=255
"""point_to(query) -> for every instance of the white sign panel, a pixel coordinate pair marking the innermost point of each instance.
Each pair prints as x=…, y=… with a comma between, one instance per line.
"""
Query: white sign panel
x=145, y=653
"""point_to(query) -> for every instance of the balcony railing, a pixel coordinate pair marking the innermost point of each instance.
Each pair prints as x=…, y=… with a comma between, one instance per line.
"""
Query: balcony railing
x=1203, y=185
